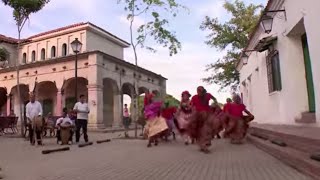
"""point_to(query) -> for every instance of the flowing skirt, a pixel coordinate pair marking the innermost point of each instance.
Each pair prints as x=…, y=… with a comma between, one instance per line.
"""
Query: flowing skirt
x=237, y=127
x=183, y=120
x=200, y=129
x=155, y=126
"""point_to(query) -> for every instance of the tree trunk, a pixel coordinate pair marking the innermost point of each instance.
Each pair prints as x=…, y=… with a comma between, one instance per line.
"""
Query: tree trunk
x=18, y=84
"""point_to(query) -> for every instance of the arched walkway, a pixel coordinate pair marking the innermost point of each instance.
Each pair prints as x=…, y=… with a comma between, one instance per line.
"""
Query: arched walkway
x=46, y=93
x=110, y=101
x=24, y=92
x=142, y=90
x=3, y=100
x=128, y=92
x=68, y=90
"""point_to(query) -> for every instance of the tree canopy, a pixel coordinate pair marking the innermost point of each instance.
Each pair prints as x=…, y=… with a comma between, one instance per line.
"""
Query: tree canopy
x=232, y=36
x=23, y=8
x=4, y=54
x=157, y=28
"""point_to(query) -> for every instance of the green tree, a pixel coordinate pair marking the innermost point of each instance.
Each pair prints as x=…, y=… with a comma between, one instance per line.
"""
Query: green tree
x=4, y=54
x=22, y=9
x=156, y=29
x=173, y=102
x=233, y=36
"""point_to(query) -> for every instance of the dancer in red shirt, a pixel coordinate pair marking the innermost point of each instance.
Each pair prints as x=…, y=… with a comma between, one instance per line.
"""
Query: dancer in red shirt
x=237, y=123
x=199, y=128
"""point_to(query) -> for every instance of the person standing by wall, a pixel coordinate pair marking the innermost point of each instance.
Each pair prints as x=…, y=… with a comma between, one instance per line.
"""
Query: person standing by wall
x=82, y=110
x=126, y=120
x=33, y=109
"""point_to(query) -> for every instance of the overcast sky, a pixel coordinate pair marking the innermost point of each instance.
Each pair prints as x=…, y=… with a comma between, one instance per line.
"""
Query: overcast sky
x=184, y=71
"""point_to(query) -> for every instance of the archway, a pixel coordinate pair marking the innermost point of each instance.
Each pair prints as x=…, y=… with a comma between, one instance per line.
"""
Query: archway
x=68, y=90
x=3, y=100
x=142, y=90
x=24, y=94
x=128, y=92
x=46, y=93
x=110, y=91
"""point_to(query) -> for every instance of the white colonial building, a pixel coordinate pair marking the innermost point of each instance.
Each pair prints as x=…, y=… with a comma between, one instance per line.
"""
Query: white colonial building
x=280, y=82
x=48, y=69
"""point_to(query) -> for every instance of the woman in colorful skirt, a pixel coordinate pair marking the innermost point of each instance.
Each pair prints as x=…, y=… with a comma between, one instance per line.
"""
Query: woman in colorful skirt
x=168, y=113
x=183, y=116
x=200, y=128
x=155, y=123
x=237, y=123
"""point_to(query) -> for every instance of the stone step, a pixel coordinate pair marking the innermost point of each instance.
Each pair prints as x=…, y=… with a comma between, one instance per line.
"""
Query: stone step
x=299, y=160
x=306, y=118
x=299, y=143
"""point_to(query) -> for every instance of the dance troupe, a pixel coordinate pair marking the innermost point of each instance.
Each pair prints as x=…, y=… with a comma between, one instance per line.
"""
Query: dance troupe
x=196, y=120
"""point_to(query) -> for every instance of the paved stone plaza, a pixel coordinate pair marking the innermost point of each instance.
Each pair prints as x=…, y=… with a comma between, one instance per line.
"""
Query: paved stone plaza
x=130, y=159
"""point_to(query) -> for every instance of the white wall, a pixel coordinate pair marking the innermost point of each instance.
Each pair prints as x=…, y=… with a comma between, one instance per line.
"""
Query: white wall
x=47, y=43
x=97, y=42
x=284, y=106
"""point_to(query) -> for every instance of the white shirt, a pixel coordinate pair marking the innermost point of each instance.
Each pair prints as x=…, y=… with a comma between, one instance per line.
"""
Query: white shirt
x=64, y=121
x=83, y=110
x=33, y=109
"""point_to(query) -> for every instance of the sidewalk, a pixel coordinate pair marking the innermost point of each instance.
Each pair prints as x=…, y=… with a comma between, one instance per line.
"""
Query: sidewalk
x=302, y=131
x=132, y=160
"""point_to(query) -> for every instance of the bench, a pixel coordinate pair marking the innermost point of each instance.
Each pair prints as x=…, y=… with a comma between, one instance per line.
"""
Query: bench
x=8, y=123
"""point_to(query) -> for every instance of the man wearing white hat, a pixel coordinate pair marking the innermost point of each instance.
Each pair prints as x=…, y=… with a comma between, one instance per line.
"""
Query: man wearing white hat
x=33, y=109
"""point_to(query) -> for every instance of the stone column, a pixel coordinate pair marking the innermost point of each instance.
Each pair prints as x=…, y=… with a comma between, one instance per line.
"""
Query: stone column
x=95, y=102
x=58, y=111
x=8, y=104
x=117, y=111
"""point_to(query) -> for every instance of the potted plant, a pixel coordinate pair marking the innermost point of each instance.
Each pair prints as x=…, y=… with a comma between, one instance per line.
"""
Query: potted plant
x=4, y=56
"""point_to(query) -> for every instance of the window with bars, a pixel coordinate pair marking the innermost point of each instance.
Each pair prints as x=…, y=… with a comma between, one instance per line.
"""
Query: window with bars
x=273, y=71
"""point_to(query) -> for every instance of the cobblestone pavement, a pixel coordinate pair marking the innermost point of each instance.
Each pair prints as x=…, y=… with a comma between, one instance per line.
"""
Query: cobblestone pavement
x=131, y=159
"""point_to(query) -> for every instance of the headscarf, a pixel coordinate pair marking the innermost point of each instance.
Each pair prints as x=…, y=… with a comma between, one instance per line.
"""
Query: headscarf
x=186, y=93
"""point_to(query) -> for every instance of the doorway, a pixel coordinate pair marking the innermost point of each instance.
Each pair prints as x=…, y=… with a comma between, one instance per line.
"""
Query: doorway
x=308, y=70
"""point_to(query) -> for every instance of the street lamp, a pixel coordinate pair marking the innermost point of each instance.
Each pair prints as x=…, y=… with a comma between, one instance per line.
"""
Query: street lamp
x=76, y=47
x=267, y=20
x=244, y=58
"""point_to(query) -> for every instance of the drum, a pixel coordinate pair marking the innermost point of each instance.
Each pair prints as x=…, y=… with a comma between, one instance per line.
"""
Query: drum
x=65, y=134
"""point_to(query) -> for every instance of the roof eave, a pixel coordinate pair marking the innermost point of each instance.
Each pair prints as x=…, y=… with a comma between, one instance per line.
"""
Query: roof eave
x=112, y=37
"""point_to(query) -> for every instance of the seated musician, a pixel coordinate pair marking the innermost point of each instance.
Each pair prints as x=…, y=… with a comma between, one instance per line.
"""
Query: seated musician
x=63, y=122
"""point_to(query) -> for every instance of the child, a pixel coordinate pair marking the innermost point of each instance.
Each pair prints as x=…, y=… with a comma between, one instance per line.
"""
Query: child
x=238, y=123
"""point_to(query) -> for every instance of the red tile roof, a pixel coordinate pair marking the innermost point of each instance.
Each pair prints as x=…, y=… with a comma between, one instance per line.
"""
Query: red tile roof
x=57, y=30
x=14, y=41
x=6, y=39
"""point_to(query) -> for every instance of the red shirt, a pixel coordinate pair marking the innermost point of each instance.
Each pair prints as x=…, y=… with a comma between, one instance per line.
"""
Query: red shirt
x=236, y=109
x=167, y=113
x=226, y=107
x=147, y=99
x=199, y=105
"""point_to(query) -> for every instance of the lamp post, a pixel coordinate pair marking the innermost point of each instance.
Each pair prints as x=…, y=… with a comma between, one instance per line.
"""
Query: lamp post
x=76, y=47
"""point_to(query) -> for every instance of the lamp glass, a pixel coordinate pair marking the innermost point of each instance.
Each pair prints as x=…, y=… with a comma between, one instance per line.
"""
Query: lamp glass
x=76, y=45
x=245, y=58
x=267, y=22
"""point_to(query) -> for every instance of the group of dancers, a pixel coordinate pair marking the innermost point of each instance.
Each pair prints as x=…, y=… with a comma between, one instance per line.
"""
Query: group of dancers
x=196, y=120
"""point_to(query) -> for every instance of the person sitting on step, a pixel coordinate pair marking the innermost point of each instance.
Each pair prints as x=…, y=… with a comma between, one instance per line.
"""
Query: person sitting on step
x=64, y=121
